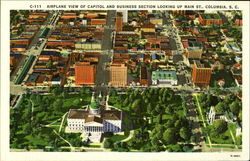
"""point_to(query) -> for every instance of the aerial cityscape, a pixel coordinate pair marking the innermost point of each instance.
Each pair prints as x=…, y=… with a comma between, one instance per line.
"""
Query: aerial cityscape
x=126, y=80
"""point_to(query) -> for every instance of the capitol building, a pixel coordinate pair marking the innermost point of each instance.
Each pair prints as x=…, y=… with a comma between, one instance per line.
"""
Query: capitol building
x=94, y=120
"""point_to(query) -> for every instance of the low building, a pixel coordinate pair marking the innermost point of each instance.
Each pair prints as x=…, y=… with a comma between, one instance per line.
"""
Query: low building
x=210, y=19
x=164, y=78
x=193, y=49
x=148, y=28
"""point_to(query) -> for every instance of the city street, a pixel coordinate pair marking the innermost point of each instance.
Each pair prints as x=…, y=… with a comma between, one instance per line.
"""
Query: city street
x=35, y=48
x=102, y=74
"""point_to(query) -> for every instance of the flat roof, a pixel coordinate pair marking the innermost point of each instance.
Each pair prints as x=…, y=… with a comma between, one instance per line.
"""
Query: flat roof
x=210, y=16
x=164, y=75
x=111, y=115
x=77, y=114
x=94, y=119
x=201, y=65
x=32, y=78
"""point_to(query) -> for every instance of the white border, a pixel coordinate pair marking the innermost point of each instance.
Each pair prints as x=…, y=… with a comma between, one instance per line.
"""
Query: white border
x=49, y=156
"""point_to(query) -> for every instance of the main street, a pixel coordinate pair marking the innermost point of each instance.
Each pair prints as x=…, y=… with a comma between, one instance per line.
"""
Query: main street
x=102, y=74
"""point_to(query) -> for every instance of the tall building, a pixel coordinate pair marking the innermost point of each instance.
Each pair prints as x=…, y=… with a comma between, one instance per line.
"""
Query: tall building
x=201, y=74
x=118, y=75
x=124, y=15
x=85, y=73
x=119, y=21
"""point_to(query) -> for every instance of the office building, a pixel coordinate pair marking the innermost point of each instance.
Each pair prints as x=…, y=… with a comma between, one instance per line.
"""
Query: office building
x=118, y=75
x=118, y=22
x=201, y=74
x=85, y=73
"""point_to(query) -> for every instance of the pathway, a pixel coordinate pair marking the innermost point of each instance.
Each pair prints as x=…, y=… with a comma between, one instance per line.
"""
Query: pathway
x=233, y=139
x=71, y=147
x=62, y=122
x=204, y=124
x=131, y=134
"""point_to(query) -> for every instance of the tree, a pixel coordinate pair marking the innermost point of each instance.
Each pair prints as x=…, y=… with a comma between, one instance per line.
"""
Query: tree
x=136, y=105
x=176, y=148
x=65, y=94
x=229, y=98
x=108, y=143
x=240, y=115
x=193, y=139
x=185, y=133
x=125, y=102
x=220, y=126
x=177, y=124
x=58, y=104
x=169, y=110
x=220, y=107
x=186, y=148
x=158, y=108
x=169, y=136
x=149, y=108
x=49, y=64
x=235, y=107
x=76, y=102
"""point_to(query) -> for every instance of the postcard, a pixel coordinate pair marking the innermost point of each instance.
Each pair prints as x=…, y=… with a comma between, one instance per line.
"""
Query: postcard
x=127, y=80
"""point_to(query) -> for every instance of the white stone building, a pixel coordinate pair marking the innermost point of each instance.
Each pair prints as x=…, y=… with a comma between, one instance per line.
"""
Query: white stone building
x=94, y=121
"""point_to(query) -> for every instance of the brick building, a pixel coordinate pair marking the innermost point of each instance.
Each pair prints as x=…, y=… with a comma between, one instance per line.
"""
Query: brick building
x=85, y=73
x=118, y=22
x=201, y=74
x=210, y=19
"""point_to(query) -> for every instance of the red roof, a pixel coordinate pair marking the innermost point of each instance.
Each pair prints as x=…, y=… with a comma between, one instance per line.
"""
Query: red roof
x=85, y=73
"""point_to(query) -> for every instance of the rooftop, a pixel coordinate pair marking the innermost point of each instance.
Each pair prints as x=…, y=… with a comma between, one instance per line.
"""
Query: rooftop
x=32, y=78
x=77, y=114
x=210, y=16
x=201, y=65
x=94, y=119
x=105, y=115
x=164, y=75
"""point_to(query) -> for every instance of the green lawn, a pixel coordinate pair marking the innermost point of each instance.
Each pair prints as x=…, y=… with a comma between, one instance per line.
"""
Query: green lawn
x=69, y=102
x=202, y=110
x=219, y=139
x=180, y=113
x=117, y=138
x=233, y=128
